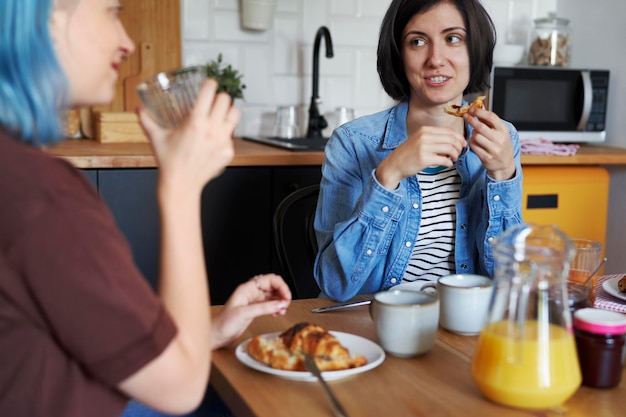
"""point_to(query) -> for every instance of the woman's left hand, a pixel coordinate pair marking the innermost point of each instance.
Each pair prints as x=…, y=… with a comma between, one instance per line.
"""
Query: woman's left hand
x=262, y=295
x=491, y=142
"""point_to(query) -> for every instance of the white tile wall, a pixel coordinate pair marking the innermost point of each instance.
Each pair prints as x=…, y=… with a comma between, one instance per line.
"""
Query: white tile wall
x=277, y=63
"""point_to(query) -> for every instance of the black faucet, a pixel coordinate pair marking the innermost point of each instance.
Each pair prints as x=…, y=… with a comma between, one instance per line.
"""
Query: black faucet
x=317, y=122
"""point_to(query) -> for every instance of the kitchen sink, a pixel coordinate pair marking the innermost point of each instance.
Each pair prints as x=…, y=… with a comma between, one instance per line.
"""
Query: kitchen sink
x=293, y=144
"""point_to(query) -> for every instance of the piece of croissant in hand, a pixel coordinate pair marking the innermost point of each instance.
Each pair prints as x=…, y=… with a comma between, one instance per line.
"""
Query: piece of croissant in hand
x=456, y=110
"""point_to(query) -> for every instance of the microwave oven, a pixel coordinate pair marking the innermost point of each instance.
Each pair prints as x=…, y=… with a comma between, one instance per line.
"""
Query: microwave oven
x=558, y=104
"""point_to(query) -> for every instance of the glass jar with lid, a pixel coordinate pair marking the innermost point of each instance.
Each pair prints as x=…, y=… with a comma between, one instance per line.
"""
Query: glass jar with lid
x=551, y=42
x=600, y=337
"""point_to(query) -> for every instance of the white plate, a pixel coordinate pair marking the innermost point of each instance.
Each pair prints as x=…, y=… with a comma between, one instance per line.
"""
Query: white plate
x=357, y=345
x=610, y=286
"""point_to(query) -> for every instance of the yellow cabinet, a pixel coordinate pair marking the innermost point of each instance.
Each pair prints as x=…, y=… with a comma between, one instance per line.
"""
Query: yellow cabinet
x=574, y=198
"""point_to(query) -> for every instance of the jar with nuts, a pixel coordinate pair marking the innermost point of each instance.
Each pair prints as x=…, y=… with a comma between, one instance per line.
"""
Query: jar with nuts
x=551, y=42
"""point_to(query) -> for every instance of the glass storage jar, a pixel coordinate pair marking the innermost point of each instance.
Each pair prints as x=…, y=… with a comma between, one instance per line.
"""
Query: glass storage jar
x=551, y=42
x=600, y=345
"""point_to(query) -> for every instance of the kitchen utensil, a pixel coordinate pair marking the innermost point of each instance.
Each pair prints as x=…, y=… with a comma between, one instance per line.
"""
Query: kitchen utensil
x=311, y=366
x=147, y=67
x=526, y=353
x=161, y=27
x=341, y=306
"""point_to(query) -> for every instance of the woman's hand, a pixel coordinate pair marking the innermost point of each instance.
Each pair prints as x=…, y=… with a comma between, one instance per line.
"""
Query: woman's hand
x=196, y=152
x=261, y=295
x=491, y=142
x=428, y=147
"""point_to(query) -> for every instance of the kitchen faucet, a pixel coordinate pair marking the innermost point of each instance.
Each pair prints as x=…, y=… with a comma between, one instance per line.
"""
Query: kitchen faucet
x=317, y=122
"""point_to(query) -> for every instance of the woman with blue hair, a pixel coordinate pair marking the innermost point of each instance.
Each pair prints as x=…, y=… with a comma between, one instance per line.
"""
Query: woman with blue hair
x=81, y=332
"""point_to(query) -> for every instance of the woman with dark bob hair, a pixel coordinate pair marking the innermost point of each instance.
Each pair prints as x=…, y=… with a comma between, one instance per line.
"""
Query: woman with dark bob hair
x=413, y=193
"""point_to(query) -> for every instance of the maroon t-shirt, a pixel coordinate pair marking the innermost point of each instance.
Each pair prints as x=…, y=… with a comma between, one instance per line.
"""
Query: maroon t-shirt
x=76, y=316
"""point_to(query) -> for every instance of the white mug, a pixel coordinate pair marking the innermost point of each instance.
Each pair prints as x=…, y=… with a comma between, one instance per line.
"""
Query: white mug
x=464, y=301
x=406, y=321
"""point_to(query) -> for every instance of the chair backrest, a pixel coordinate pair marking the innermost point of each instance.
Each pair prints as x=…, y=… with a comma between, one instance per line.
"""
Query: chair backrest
x=294, y=238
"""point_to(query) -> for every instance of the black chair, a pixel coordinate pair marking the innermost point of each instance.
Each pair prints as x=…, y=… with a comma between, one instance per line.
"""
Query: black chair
x=294, y=238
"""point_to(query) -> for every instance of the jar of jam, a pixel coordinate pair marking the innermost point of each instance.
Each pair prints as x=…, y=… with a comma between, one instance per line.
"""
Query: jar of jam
x=600, y=336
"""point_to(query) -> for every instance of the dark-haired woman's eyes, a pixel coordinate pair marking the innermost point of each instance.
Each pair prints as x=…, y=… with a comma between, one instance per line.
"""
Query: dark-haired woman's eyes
x=417, y=42
x=454, y=39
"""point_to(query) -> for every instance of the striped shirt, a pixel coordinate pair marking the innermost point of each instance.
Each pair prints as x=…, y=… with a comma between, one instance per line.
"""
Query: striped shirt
x=433, y=253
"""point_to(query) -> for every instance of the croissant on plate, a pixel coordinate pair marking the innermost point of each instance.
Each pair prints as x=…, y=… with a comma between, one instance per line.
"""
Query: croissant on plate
x=287, y=350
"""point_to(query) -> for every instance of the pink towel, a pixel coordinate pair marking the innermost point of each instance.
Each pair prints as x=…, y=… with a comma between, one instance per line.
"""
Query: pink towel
x=541, y=146
x=605, y=300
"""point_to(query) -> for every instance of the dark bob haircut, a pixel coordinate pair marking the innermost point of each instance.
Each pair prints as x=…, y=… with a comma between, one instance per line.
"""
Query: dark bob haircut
x=481, y=38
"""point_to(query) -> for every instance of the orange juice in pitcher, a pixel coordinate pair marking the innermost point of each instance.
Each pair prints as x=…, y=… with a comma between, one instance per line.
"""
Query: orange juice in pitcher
x=526, y=372
x=526, y=353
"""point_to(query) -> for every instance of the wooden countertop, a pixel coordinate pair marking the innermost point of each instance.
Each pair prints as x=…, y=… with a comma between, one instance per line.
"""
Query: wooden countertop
x=91, y=154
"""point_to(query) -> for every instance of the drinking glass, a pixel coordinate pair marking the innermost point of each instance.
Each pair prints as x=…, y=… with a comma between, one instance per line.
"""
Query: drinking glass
x=343, y=115
x=287, y=123
x=587, y=257
x=170, y=96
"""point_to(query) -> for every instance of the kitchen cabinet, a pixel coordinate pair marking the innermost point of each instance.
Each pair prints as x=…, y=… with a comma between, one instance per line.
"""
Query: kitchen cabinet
x=236, y=209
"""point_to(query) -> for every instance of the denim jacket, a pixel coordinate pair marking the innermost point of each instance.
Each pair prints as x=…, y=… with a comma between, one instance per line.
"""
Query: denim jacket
x=366, y=232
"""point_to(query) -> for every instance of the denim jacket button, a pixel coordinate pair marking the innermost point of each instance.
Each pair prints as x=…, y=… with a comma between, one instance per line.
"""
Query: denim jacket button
x=463, y=266
x=415, y=205
x=369, y=251
x=393, y=280
x=408, y=244
x=490, y=239
x=385, y=209
x=463, y=226
x=496, y=198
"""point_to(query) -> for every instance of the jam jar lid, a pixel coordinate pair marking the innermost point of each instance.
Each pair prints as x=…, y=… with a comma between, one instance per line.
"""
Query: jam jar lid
x=594, y=320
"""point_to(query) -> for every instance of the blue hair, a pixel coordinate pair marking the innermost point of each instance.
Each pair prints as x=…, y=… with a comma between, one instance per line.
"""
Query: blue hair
x=33, y=86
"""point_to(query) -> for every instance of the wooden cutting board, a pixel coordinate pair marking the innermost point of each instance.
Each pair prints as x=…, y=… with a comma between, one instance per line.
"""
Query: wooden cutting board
x=148, y=68
x=153, y=22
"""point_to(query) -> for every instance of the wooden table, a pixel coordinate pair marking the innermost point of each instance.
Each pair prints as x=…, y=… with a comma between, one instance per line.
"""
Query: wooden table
x=436, y=384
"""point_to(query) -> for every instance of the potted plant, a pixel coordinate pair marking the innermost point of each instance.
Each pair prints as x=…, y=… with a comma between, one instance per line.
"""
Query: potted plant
x=228, y=78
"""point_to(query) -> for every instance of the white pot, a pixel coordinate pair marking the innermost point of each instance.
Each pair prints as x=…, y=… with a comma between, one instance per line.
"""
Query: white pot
x=257, y=14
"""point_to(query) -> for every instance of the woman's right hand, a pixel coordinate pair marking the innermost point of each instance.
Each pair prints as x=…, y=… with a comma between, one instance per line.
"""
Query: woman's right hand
x=199, y=150
x=428, y=147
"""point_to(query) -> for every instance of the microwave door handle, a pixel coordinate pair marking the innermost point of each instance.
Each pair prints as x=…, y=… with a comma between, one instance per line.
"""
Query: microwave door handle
x=587, y=100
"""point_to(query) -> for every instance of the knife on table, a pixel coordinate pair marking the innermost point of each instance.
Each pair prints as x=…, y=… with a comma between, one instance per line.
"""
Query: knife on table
x=342, y=305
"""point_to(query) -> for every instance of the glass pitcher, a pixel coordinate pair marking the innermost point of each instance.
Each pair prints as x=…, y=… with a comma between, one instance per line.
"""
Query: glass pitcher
x=526, y=353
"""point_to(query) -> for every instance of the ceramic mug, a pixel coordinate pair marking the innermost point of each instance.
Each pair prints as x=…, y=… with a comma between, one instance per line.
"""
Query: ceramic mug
x=406, y=321
x=464, y=302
